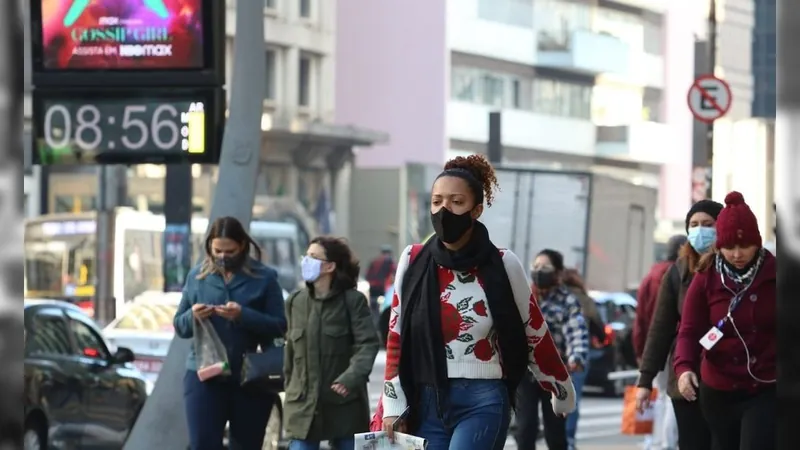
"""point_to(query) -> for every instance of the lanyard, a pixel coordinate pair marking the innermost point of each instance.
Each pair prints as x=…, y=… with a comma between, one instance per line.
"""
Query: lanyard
x=735, y=301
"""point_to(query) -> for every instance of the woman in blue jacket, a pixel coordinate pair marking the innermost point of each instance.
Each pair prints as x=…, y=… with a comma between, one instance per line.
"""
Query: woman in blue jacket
x=244, y=302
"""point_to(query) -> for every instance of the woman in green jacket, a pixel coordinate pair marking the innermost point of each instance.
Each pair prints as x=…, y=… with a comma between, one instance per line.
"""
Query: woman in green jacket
x=330, y=350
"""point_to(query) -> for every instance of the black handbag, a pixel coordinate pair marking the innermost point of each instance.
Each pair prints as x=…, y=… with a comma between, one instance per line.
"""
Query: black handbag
x=264, y=368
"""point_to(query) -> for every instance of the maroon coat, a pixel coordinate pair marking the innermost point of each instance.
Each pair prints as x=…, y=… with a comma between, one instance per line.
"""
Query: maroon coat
x=646, y=304
x=724, y=367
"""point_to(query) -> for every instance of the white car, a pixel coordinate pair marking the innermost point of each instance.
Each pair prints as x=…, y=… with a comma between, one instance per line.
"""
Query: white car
x=145, y=327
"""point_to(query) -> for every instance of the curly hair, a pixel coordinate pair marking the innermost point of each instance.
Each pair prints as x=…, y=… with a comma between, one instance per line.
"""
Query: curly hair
x=338, y=251
x=481, y=169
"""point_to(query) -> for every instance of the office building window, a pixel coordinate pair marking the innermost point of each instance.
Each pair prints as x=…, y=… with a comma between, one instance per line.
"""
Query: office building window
x=653, y=35
x=463, y=84
x=493, y=90
x=510, y=12
x=651, y=104
x=304, y=82
x=270, y=79
x=305, y=8
x=557, y=19
x=559, y=98
x=489, y=88
x=625, y=26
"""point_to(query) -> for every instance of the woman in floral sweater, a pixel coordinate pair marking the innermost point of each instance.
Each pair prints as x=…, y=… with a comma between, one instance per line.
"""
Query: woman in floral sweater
x=464, y=327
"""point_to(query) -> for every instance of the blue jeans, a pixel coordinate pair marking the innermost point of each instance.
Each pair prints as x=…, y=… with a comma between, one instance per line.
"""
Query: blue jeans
x=474, y=415
x=210, y=404
x=338, y=444
x=578, y=380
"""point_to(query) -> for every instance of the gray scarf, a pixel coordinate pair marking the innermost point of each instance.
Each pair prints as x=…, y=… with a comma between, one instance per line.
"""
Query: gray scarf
x=741, y=279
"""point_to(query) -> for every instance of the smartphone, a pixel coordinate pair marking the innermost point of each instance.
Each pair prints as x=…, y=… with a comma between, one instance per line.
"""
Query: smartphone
x=402, y=416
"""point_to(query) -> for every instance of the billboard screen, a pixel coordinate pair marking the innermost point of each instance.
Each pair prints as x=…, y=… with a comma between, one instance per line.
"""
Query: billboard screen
x=122, y=34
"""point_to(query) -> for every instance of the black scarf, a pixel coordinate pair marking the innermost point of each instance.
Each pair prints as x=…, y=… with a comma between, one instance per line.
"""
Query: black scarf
x=422, y=351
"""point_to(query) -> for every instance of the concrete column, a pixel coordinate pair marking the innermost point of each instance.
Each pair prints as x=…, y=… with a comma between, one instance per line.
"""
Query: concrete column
x=291, y=82
x=162, y=423
x=341, y=199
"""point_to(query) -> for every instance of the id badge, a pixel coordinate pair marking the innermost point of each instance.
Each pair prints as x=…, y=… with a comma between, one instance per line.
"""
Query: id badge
x=711, y=338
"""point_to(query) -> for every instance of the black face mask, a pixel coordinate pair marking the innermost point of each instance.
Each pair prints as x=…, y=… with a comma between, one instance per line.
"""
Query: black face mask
x=544, y=279
x=230, y=263
x=450, y=227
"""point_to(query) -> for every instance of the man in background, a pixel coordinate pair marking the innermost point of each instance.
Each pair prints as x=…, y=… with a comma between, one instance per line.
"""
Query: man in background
x=665, y=428
x=379, y=276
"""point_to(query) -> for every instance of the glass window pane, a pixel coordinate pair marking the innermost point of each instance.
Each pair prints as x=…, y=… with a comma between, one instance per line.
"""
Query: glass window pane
x=463, y=84
x=270, y=78
x=493, y=89
x=305, y=8
x=49, y=336
x=304, y=88
x=516, y=95
x=87, y=340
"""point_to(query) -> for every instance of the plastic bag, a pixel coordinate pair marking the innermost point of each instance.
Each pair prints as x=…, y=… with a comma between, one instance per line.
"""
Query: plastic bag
x=376, y=424
x=212, y=358
x=633, y=422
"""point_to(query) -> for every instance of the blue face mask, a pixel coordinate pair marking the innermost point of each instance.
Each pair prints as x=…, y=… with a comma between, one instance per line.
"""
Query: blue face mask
x=311, y=268
x=702, y=238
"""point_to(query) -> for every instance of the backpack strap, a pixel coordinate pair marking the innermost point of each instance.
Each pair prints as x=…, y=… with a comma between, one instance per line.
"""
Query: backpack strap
x=415, y=249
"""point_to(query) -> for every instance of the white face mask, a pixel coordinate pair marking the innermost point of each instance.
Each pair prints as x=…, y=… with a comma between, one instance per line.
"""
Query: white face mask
x=311, y=268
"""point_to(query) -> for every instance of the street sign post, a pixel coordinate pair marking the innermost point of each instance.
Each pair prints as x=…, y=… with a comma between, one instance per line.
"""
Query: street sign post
x=709, y=98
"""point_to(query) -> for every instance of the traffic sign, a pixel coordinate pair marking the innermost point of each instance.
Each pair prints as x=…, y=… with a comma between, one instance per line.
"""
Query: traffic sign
x=709, y=98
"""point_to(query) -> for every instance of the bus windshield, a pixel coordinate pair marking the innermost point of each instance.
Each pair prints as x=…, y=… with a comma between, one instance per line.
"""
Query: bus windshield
x=60, y=265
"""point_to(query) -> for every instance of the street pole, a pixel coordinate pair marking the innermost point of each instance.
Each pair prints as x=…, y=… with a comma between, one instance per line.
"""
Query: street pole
x=712, y=62
x=162, y=422
x=105, y=248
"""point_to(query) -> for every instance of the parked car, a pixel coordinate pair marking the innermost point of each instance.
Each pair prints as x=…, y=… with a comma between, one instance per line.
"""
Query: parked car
x=77, y=393
x=146, y=328
x=614, y=356
x=11, y=373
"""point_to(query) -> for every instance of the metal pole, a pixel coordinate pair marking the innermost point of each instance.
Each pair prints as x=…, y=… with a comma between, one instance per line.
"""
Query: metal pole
x=494, y=148
x=104, y=248
x=712, y=62
x=162, y=423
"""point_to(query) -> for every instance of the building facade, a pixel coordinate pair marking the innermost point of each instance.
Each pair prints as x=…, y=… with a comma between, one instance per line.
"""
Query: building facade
x=583, y=84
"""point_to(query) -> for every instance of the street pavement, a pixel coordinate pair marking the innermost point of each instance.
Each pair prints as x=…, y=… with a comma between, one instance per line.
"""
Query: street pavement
x=598, y=427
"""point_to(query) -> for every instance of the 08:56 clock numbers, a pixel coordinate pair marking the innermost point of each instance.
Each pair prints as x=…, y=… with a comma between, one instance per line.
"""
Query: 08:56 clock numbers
x=88, y=132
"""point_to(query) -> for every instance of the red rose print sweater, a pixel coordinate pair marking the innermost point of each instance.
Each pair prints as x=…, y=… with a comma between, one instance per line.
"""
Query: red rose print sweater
x=470, y=344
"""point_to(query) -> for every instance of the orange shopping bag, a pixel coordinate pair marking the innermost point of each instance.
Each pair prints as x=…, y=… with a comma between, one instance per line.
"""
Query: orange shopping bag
x=634, y=422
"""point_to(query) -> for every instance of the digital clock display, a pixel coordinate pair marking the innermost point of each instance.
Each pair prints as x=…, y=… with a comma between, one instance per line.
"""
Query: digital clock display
x=118, y=128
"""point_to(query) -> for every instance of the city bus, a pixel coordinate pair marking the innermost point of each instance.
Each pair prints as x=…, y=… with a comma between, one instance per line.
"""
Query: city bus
x=60, y=254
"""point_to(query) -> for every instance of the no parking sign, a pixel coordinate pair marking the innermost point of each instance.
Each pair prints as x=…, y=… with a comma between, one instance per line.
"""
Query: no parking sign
x=709, y=98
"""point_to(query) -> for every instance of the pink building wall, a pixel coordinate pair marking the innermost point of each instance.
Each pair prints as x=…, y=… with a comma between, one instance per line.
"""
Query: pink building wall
x=675, y=188
x=392, y=64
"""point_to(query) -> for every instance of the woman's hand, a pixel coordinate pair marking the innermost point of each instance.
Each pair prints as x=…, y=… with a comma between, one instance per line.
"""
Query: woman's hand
x=340, y=389
x=392, y=424
x=687, y=385
x=200, y=311
x=230, y=310
x=643, y=399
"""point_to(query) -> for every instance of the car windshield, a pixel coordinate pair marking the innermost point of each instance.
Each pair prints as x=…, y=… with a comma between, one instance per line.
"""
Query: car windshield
x=148, y=317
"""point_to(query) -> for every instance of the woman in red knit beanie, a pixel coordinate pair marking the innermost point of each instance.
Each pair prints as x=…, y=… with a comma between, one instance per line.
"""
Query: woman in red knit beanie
x=728, y=330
